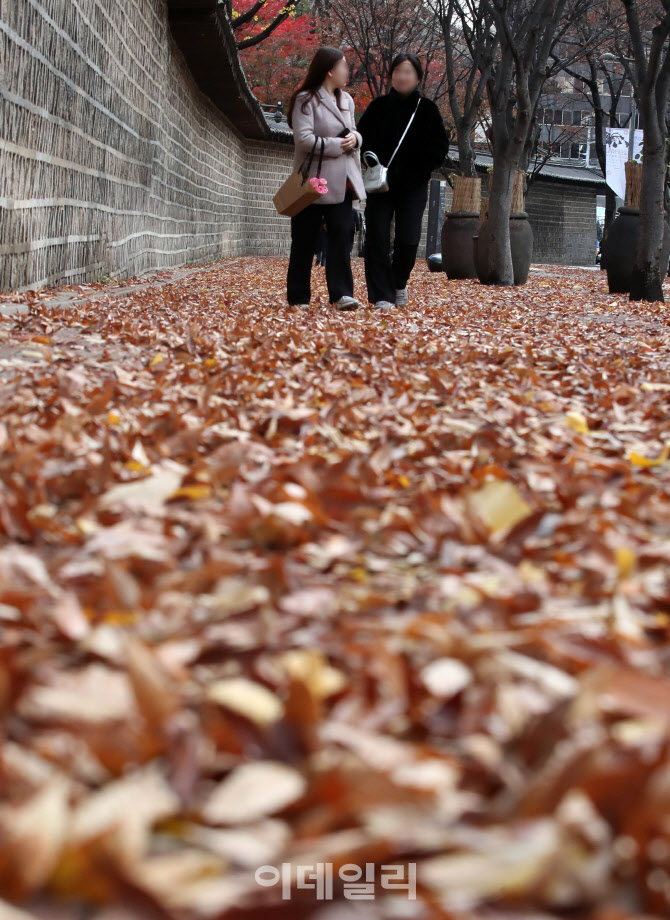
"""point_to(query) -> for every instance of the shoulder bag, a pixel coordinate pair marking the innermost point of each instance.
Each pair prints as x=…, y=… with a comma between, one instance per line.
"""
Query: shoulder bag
x=296, y=193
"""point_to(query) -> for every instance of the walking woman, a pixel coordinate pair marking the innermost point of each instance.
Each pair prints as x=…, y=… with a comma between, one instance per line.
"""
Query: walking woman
x=318, y=109
x=423, y=149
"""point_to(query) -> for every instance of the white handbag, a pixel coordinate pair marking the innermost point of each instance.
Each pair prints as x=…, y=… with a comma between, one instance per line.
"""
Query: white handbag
x=375, y=177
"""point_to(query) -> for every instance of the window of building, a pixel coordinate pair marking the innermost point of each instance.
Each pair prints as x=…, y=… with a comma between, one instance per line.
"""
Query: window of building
x=577, y=117
x=574, y=151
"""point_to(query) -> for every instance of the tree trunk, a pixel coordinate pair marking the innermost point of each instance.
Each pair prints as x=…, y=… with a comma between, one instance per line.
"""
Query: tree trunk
x=648, y=273
x=466, y=152
x=500, y=202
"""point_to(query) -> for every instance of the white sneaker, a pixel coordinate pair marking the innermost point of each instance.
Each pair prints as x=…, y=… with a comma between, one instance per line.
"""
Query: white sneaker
x=384, y=305
x=347, y=303
x=401, y=297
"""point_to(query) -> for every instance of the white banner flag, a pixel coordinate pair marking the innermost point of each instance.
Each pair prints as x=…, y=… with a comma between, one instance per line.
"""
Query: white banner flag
x=616, y=157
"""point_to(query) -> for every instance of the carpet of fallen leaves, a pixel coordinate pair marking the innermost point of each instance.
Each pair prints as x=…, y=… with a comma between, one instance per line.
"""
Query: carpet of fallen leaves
x=281, y=586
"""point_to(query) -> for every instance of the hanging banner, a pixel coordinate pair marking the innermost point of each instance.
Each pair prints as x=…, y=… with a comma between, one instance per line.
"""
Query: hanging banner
x=616, y=157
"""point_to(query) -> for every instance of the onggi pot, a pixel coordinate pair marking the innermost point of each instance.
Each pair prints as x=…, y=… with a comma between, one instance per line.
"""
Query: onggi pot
x=457, y=232
x=621, y=246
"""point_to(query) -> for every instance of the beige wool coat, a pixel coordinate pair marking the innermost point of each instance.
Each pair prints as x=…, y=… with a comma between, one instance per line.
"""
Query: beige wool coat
x=323, y=119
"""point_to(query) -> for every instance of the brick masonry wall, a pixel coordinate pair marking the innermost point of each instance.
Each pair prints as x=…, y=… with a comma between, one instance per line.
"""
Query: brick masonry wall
x=563, y=218
x=111, y=160
x=267, y=165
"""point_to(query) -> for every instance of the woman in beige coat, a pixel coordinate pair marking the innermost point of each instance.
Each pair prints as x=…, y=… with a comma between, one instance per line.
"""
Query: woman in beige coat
x=321, y=110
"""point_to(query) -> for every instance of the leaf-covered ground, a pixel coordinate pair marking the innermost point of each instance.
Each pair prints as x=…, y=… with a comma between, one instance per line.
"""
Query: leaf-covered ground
x=294, y=587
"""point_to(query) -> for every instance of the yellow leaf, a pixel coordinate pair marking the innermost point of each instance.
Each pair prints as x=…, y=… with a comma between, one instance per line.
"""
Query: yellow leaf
x=639, y=460
x=120, y=618
x=404, y=481
x=577, y=421
x=499, y=505
x=193, y=492
x=625, y=560
x=113, y=418
x=360, y=575
x=157, y=359
x=136, y=466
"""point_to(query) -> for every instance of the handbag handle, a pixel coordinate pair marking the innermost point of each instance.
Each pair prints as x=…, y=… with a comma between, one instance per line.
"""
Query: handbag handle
x=371, y=159
x=309, y=159
x=409, y=124
x=310, y=156
x=318, y=168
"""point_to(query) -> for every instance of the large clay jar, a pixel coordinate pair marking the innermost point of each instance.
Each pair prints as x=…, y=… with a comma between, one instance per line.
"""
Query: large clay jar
x=621, y=246
x=457, y=232
x=521, y=242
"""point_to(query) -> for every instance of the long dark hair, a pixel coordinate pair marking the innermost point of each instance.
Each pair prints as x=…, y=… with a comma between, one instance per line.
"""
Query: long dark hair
x=322, y=63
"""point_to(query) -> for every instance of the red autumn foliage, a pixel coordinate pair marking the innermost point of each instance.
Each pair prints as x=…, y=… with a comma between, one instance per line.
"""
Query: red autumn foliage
x=276, y=65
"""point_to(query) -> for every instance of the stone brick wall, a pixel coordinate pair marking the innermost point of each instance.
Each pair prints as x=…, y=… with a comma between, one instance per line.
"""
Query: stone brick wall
x=112, y=162
x=563, y=218
x=267, y=165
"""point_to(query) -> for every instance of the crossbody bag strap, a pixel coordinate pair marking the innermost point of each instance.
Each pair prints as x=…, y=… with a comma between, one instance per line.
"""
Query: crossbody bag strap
x=409, y=125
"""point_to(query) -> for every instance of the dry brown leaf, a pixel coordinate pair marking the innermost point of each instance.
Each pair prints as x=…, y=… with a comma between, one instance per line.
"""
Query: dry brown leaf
x=499, y=505
x=156, y=692
x=253, y=791
x=247, y=698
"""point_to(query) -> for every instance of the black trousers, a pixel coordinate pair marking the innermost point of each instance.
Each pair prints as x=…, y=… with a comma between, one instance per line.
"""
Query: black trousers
x=304, y=233
x=385, y=275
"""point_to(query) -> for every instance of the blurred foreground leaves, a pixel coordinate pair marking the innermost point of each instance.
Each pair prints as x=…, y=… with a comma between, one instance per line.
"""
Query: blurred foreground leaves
x=297, y=587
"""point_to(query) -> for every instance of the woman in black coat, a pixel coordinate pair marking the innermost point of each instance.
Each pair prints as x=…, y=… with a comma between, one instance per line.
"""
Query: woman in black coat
x=422, y=151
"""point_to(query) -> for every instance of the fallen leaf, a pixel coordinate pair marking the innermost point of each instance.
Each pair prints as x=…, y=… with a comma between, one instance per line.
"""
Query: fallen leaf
x=577, y=422
x=638, y=459
x=253, y=791
x=499, y=505
x=247, y=698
